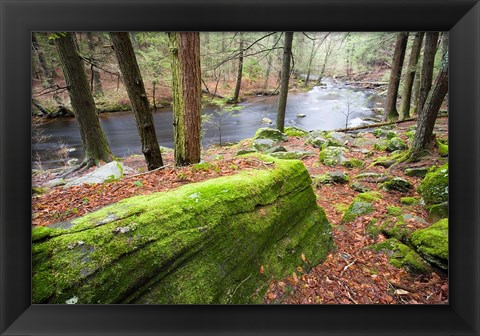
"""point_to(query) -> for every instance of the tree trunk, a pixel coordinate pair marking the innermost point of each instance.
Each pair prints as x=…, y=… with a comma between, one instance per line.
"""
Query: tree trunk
x=426, y=119
x=431, y=39
x=138, y=98
x=97, y=83
x=186, y=77
x=93, y=139
x=390, y=112
x=310, y=60
x=410, y=76
x=45, y=72
x=239, y=71
x=282, y=101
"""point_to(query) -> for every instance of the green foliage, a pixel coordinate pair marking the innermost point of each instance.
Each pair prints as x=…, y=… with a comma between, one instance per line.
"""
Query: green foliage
x=56, y=35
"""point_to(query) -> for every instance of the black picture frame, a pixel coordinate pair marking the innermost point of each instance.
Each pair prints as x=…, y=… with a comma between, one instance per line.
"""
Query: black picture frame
x=19, y=18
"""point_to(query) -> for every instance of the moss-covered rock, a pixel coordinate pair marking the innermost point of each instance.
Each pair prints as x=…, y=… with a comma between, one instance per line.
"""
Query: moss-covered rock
x=218, y=241
x=409, y=200
x=295, y=131
x=246, y=151
x=434, y=187
x=372, y=177
x=360, y=206
x=332, y=156
x=338, y=139
x=353, y=163
x=438, y=211
x=270, y=133
x=384, y=133
x=395, y=144
x=442, y=148
x=357, y=186
x=331, y=177
x=397, y=184
x=263, y=145
x=432, y=243
x=402, y=256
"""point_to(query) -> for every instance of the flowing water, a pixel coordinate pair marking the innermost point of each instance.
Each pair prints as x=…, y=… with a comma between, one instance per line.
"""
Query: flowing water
x=324, y=107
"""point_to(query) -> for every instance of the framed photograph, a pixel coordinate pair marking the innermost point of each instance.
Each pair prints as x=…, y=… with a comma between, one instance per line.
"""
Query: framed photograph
x=29, y=306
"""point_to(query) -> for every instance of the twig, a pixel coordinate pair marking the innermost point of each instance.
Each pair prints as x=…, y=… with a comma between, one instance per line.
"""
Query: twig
x=350, y=297
x=345, y=268
x=241, y=284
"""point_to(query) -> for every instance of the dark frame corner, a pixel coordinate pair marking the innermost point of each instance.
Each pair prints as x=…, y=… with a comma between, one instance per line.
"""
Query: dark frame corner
x=18, y=18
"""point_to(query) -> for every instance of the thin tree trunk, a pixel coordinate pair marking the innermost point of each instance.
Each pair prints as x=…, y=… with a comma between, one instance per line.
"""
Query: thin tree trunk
x=426, y=119
x=97, y=83
x=390, y=111
x=328, y=51
x=269, y=67
x=186, y=77
x=282, y=101
x=431, y=40
x=410, y=76
x=93, y=139
x=310, y=60
x=239, y=70
x=416, y=91
x=138, y=98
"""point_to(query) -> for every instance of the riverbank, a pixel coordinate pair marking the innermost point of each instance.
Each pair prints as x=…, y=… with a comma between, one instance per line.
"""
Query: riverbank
x=352, y=273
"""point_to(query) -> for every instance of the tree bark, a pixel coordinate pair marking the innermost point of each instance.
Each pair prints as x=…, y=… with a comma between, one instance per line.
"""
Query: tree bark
x=390, y=112
x=97, y=83
x=186, y=78
x=282, y=101
x=239, y=71
x=426, y=119
x=431, y=40
x=410, y=76
x=93, y=139
x=138, y=98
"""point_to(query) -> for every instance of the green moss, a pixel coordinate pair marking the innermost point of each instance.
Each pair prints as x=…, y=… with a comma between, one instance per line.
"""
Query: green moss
x=330, y=177
x=359, y=187
x=434, y=187
x=397, y=184
x=442, y=149
x=357, y=209
x=438, y=211
x=372, y=229
x=295, y=131
x=201, y=243
x=270, y=133
x=369, y=196
x=417, y=171
x=409, y=200
x=341, y=207
x=332, y=156
x=432, y=243
x=295, y=155
x=353, y=163
x=394, y=211
x=396, y=229
x=402, y=256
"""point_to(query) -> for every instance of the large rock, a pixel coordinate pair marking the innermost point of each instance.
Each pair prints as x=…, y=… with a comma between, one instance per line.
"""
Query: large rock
x=217, y=241
x=270, y=133
x=432, y=243
x=111, y=171
x=339, y=139
x=434, y=187
x=332, y=156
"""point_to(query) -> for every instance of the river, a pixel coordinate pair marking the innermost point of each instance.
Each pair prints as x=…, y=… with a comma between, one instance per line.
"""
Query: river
x=324, y=107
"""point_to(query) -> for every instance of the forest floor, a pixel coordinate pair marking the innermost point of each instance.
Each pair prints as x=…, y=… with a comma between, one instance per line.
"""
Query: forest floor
x=351, y=274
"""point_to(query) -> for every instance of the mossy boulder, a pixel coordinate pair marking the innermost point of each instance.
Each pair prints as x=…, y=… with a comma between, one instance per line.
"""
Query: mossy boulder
x=332, y=156
x=385, y=133
x=357, y=186
x=295, y=131
x=338, y=139
x=331, y=178
x=270, y=133
x=438, y=211
x=409, y=200
x=397, y=184
x=353, y=163
x=434, y=187
x=432, y=243
x=263, y=145
x=246, y=151
x=217, y=241
x=395, y=144
x=442, y=148
x=361, y=205
x=402, y=256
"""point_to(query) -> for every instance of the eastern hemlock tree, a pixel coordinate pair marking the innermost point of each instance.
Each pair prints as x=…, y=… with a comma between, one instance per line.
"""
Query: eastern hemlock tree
x=138, y=98
x=426, y=118
x=238, y=84
x=410, y=76
x=94, y=142
x=390, y=112
x=186, y=85
x=285, y=76
x=431, y=40
x=95, y=82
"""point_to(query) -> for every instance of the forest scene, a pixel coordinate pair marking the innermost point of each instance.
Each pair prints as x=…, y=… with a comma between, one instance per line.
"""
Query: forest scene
x=240, y=167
